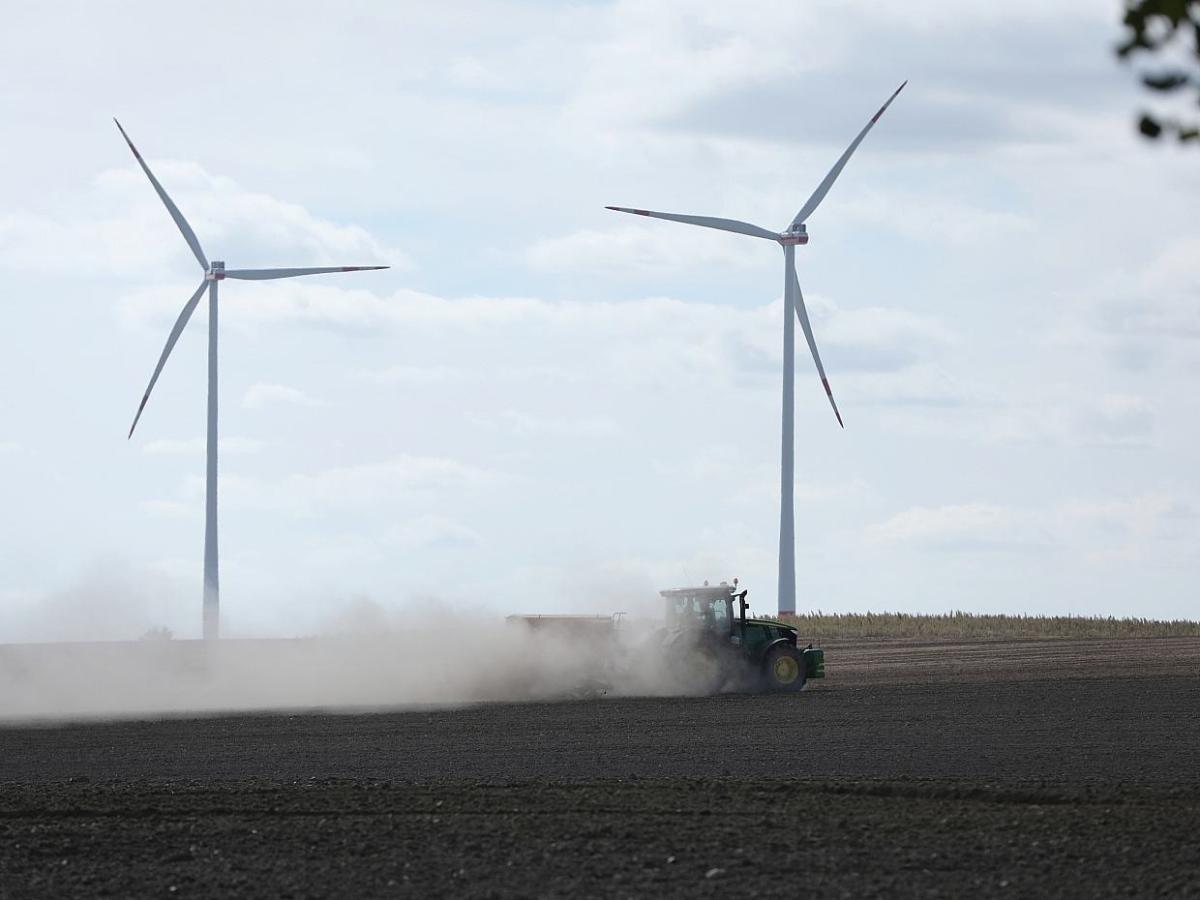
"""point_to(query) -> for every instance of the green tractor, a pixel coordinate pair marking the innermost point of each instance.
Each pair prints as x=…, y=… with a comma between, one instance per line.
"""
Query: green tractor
x=708, y=633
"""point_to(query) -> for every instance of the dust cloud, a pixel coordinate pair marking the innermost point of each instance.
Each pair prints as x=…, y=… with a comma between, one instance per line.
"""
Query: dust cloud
x=365, y=657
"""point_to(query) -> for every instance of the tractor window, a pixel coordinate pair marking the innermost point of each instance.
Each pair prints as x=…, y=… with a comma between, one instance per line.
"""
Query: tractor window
x=721, y=615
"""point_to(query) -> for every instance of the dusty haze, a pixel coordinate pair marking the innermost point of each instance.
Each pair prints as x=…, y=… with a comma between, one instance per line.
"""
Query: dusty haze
x=363, y=660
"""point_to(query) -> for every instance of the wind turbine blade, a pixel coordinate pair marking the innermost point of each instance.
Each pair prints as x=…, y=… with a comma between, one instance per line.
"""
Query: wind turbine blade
x=180, y=221
x=823, y=188
x=266, y=274
x=705, y=221
x=802, y=314
x=180, y=323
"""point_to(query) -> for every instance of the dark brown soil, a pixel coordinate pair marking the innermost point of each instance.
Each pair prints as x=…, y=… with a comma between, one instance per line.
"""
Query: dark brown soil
x=1039, y=768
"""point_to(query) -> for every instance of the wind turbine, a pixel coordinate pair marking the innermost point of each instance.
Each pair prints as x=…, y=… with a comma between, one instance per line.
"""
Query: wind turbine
x=214, y=273
x=796, y=233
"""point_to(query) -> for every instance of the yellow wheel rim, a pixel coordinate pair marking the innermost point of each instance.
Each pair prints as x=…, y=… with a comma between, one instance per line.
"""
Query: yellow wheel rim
x=786, y=670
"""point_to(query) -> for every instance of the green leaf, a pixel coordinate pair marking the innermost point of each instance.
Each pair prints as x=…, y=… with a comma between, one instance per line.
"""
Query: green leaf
x=1166, y=81
x=1149, y=127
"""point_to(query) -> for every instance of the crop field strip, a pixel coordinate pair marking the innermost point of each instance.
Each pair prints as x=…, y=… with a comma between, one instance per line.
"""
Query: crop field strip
x=973, y=626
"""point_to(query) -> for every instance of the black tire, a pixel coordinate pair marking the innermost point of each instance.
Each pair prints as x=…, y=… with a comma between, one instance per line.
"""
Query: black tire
x=783, y=670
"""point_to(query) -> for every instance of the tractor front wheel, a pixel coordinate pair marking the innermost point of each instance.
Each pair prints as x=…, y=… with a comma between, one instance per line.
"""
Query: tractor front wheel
x=783, y=669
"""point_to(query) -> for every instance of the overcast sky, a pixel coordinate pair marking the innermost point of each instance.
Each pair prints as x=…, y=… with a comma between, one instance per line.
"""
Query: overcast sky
x=544, y=405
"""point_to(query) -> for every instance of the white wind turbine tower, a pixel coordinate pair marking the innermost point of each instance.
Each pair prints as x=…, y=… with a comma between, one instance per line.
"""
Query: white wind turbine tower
x=796, y=233
x=214, y=273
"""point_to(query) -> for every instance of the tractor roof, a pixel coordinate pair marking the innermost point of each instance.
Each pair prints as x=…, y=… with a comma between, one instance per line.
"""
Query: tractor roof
x=707, y=592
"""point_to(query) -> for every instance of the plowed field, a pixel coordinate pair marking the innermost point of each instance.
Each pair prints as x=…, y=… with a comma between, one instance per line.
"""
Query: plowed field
x=1038, y=768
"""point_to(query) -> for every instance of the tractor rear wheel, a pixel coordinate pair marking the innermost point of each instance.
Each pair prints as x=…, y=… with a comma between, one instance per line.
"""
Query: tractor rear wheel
x=783, y=669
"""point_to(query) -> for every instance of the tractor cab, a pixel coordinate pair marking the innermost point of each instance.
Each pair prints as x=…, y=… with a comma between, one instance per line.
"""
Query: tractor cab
x=715, y=617
x=704, y=608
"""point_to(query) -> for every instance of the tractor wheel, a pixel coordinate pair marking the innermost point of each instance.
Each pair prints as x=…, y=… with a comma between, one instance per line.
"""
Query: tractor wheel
x=783, y=670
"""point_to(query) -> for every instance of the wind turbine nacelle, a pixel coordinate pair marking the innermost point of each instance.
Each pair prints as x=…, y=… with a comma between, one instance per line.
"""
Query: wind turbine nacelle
x=797, y=235
x=216, y=272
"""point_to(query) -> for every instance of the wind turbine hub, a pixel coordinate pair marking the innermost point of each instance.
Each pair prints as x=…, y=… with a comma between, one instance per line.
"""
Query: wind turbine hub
x=216, y=272
x=797, y=234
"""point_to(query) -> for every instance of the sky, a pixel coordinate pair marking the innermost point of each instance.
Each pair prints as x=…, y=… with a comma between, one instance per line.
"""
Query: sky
x=547, y=406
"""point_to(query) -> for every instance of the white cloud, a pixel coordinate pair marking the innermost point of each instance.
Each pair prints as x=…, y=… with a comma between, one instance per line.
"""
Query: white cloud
x=351, y=486
x=1112, y=530
x=957, y=527
x=120, y=227
x=875, y=339
x=471, y=72
x=655, y=44
x=196, y=446
x=1160, y=303
x=420, y=533
x=920, y=384
x=1062, y=418
x=648, y=339
x=169, y=509
x=259, y=395
x=413, y=375
x=1126, y=530
x=524, y=425
x=1117, y=420
x=643, y=248
x=933, y=219
x=1057, y=416
x=428, y=531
